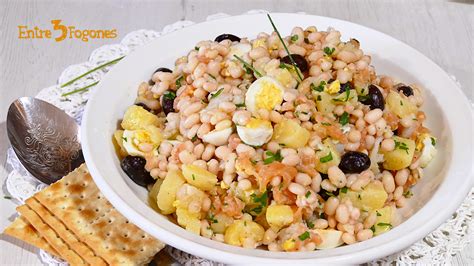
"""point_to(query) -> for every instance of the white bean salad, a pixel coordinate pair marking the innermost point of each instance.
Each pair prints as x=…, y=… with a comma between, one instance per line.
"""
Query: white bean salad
x=283, y=143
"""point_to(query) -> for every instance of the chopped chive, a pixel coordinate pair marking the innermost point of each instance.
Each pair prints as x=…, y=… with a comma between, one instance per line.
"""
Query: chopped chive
x=325, y=124
x=344, y=190
x=286, y=48
x=196, y=48
x=90, y=71
x=378, y=213
x=211, y=76
x=344, y=119
x=79, y=90
x=310, y=224
x=217, y=93
x=7, y=197
x=385, y=224
x=194, y=177
x=318, y=88
x=294, y=38
x=326, y=158
x=308, y=194
x=304, y=236
x=240, y=104
x=433, y=141
x=329, y=51
x=178, y=81
x=249, y=66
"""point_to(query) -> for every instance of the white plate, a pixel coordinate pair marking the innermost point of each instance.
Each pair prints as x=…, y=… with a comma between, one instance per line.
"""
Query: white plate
x=444, y=186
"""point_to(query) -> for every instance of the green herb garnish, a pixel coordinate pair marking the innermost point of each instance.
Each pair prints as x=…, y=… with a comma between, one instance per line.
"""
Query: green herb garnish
x=329, y=51
x=271, y=157
x=240, y=104
x=248, y=66
x=7, y=197
x=308, y=194
x=378, y=213
x=194, y=138
x=294, y=38
x=318, y=98
x=178, y=81
x=326, y=158
x=344, y=119
x=310, y=224
x=212, y=218
x=194, y=177
x=319, y=88
x=304, y=236
x=401, y=103
x=408, y=194
x=373, y=228
x=343, y=190
x=90, y=71
x=196, y=48
x=211, y=76
x=433, y=141
x=325, y=124
x=169, y=95
x=348, y=93
x=385, y=224
x=401, y=145
x=124, y=139
x=362, y=98
x=286, y=48
x=217, y=93
x=79, y=90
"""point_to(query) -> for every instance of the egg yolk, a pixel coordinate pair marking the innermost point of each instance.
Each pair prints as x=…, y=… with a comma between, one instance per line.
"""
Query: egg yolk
x=258, y=123
x=334, y=87
x=268, y=96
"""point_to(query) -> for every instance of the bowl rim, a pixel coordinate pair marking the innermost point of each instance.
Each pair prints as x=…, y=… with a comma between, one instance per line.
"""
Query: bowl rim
x=234, y=254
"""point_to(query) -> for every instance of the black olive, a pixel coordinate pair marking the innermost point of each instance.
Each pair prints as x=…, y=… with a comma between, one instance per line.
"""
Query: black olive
x=374, y=98
x=326, y=194
x=144, y=106
x=300, y=62
x=345, y=86
x=407, y=90
x=354, y=162
x=167, y=101
x=134, y=167
x=227, y=36
x=163, y=69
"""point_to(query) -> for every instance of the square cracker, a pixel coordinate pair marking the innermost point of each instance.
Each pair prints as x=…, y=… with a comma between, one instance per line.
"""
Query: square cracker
x=66, y=235
x=23, y=230
x=78, y=203
x=53, y=239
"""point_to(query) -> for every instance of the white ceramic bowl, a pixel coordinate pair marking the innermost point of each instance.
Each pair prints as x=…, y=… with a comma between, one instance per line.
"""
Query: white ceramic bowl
x=445, y=184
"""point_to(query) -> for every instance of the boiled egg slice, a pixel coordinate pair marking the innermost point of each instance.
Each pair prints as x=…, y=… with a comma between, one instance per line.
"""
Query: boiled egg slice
x=256, y=132
x=132, y=139
x=264, y=93
x=429, y=150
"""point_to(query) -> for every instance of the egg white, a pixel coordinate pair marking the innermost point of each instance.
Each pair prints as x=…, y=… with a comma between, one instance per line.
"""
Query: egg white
x=255, y=97
x=256, y=133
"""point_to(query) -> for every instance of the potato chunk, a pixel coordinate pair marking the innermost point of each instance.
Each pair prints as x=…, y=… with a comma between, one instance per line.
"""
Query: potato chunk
x=167, y=194
x=400, y=105
x=401, y=156
x=154, y=193
x=291, y=134
x=189, y=220
x=279, y=216
x=327, y=156
x=372, y=197
x=136, y=117
x=240, y=230
x=330, y=238
x=199, y=177
x=384, y=220
x=324, y=102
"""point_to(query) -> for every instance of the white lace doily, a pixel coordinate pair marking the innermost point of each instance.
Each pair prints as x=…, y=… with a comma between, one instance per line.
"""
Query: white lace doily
x=436, y=248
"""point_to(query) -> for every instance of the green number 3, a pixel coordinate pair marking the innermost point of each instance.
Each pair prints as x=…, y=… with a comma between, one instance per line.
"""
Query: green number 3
x=58, y=26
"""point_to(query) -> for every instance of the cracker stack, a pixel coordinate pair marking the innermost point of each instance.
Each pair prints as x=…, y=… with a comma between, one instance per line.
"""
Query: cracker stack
x=71, y=219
